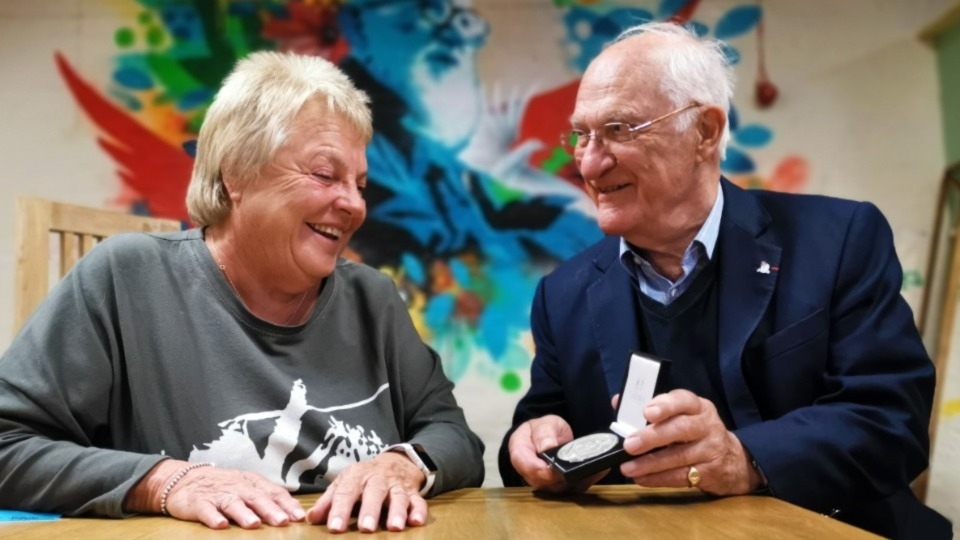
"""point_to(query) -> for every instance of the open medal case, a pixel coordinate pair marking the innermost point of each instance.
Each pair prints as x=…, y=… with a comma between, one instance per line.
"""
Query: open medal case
x=584, y=456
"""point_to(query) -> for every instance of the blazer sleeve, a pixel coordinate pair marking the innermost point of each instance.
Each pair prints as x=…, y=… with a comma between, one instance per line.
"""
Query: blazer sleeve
x=865, y=436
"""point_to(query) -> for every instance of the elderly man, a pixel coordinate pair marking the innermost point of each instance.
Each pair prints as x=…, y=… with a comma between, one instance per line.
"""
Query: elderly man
x=796, y=366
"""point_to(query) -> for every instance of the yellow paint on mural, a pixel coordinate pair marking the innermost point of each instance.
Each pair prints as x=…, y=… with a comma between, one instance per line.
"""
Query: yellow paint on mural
x=951, y=408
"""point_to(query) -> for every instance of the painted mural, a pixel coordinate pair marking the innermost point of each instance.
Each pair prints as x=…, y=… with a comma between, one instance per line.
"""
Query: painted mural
x=471, y=198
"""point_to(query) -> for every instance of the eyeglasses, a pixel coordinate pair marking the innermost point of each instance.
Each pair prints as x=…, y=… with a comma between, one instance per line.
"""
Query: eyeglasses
x=618, y=132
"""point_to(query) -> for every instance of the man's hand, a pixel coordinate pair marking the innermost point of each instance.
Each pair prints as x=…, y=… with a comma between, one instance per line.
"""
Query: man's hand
x=214, y=496
x=689, y=432
x=390, y=479
x=537, y=435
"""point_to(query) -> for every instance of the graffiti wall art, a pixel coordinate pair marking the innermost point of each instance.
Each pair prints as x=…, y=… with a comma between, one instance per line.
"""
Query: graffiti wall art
x=471, y=198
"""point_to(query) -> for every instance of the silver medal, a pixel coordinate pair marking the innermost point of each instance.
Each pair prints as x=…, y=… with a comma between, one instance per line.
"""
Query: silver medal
x=587, y=447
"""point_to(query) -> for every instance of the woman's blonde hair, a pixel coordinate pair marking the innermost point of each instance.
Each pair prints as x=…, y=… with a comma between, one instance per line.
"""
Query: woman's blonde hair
x=251, y=116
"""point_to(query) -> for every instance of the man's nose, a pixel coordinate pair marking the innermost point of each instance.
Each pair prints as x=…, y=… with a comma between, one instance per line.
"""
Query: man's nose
x=594, y=161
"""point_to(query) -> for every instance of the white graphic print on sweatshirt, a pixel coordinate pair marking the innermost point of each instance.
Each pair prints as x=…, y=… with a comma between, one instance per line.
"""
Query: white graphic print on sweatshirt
x=342, y=444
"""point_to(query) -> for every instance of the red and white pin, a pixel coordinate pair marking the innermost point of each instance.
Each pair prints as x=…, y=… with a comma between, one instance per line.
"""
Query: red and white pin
x=765, y=268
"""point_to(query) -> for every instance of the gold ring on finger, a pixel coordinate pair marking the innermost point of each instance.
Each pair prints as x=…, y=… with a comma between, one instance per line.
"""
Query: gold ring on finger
x=693, y=476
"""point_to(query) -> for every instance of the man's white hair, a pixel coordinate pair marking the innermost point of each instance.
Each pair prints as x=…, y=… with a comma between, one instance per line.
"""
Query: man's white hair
x=251, y=117
x=691, y=69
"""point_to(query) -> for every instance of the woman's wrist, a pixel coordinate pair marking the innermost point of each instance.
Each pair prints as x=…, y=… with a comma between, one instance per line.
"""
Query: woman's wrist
x=144, y=496
x=172, y=483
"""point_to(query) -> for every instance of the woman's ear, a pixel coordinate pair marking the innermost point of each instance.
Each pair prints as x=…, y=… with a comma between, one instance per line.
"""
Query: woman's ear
x=710, y=130
x=231, y=187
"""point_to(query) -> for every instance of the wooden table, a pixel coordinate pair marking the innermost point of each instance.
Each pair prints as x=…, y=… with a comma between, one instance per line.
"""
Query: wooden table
x=606, y=512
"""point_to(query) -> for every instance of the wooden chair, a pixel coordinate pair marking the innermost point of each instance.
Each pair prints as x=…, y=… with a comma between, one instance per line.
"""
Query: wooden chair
x=72, y=231
x=940, y=304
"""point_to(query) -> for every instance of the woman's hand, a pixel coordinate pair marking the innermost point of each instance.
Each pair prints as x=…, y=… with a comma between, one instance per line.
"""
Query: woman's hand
x=390, y=480
x=215, y=496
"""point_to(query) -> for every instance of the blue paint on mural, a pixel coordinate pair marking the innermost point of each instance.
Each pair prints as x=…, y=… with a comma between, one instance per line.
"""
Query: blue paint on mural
x=133, y=79
x=753, y=136
x=737, y=21
x=737, y=162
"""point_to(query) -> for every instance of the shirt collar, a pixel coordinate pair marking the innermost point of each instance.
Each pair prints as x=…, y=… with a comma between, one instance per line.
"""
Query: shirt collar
x=706, y=236
x=710, y=230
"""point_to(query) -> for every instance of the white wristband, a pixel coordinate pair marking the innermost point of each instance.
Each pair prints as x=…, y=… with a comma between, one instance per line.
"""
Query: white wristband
x=428, y=469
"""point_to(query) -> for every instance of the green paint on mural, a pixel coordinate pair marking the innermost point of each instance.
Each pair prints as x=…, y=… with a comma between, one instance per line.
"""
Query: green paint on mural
x=171, y=74
x=155, y=36
x=558, y=158
x=124, y=37
x=484, y=289
x=237, y=37
x=911, y=279
x=195, y=122
x=504, y=194
x=948, y=58
x=510, y=381
x=145, y=18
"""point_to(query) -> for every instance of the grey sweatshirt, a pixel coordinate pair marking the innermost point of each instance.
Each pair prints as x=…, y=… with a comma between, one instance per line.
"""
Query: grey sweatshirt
x=143, y=352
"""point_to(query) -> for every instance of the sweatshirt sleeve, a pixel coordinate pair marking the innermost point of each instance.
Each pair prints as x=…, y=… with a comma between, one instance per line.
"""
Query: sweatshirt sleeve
x=431, y=416
x=56, y=382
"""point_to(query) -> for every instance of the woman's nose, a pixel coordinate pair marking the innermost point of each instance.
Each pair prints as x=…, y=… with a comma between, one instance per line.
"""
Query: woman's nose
x=350, y=199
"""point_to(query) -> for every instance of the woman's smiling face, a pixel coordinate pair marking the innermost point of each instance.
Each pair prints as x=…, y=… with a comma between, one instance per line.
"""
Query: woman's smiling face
x=301, y=212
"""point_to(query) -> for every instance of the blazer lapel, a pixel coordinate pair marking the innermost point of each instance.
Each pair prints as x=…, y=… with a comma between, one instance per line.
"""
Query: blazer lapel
x=611, y=304
x=749, y=265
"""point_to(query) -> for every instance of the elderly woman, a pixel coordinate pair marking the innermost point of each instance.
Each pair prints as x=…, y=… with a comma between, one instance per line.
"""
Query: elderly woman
x=246, y=343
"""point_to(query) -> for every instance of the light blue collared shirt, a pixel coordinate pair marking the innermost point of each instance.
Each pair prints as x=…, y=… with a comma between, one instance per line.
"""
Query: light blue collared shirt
x=697, y=255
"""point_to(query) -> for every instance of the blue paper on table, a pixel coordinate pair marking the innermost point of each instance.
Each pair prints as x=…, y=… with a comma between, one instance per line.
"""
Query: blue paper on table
x=17, y=515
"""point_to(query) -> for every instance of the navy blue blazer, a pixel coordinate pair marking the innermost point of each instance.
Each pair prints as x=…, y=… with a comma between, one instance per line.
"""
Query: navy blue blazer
x=823, y=370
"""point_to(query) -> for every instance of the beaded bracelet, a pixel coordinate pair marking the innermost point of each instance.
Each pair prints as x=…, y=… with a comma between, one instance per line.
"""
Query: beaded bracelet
x=173, y=481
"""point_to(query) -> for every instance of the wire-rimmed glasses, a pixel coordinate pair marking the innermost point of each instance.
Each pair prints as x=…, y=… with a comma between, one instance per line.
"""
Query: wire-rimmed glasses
x=618, y=132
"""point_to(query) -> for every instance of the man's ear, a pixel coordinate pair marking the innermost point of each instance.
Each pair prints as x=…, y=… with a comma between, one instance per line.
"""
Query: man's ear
x=710, y=129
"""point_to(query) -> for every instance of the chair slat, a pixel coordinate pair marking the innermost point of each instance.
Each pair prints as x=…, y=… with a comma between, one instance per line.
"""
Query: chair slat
x=89, y=241
x=78, y=230
x=69, y=251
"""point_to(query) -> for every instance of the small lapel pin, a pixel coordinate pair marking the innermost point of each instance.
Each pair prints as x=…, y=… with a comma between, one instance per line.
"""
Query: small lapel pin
x=765, y=268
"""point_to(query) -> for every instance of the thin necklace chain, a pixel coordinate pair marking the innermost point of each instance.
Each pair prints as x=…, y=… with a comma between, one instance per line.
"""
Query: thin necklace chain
x=223, y=269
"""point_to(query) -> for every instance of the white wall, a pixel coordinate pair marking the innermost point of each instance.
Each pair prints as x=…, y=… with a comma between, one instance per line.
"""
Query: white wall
x=47, y=145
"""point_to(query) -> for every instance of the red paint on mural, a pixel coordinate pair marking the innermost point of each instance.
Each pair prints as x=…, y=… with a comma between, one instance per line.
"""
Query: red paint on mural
x=155, y=169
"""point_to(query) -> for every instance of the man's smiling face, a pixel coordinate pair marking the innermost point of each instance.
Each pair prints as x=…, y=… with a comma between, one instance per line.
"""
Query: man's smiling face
x=645, y=190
